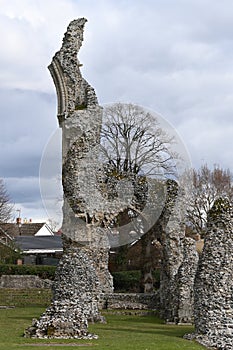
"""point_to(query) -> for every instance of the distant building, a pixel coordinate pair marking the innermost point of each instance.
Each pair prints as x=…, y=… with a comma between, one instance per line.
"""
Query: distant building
x=40, y=250
x=37, y=242
x=25, y=229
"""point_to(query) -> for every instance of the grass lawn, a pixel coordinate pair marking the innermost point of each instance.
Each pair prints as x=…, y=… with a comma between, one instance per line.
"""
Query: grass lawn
x=121, y=332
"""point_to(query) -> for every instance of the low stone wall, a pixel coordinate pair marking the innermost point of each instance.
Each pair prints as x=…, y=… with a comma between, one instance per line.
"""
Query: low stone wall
x=133, y=301
x=110, y=301
x=23, y=282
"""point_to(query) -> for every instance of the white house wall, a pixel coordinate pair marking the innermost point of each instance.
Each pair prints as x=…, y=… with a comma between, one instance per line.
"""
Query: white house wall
x=45, y=231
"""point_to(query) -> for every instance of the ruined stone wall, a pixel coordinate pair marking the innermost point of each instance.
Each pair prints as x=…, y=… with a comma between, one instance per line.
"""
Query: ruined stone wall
x=131, y=301
x=74, y=301
x=213, y=307
x=184, y=293
x=73, y=91
x=23, y=281
x=171, y=241
x=82, y=273
x=179, y=261
x=80, y=118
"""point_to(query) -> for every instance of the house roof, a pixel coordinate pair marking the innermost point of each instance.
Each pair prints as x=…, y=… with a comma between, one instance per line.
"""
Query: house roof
x=39, y=244
x=28, y=229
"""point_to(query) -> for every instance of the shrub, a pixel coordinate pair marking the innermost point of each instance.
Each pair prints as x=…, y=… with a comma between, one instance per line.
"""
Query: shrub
x=156, y=277
x=8, y=254
x=131, y=281
x=45, y=272
x=126, y=281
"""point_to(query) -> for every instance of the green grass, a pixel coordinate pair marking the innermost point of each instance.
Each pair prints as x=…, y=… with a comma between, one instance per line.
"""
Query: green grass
x=25, y=297
x=121, y=332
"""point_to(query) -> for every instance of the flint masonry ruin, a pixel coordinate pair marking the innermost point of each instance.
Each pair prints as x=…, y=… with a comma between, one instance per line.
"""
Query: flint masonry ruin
x=192, y=289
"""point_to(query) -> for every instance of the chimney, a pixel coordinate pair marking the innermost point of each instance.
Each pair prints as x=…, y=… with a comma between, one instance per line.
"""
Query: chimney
x=18, y=221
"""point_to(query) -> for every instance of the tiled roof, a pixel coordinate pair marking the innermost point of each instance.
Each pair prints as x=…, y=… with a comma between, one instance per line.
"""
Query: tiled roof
x=39, y=243
x=14, y=230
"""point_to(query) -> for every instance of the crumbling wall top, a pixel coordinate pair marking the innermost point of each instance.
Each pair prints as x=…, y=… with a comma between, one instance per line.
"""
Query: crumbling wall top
x=73, y=92
x=71, y=45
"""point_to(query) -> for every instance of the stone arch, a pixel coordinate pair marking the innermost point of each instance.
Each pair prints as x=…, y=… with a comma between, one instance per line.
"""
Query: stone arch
x=61, y=89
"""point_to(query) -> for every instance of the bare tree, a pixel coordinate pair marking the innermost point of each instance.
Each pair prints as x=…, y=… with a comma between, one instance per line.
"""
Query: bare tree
x=5, y=206
x=132, y=141
x=206, y=186
x=134, y=146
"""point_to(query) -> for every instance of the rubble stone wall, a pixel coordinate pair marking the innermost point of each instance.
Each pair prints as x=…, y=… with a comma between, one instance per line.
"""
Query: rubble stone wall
x=132, y=301
x=75, y=299
x=213, y=307
x=23, y=281
x=179, y=261
x=77, y=285
x=184, y=294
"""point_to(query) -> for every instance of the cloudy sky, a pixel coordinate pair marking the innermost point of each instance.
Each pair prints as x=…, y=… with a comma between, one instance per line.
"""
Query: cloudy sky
x=173, y=56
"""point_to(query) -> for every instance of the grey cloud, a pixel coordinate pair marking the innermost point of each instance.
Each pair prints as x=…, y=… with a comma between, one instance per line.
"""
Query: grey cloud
x=26, y=123
x=172, y=56
x=24, y=189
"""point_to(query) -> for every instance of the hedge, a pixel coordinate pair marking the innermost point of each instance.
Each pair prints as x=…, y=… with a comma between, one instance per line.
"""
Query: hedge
x=127, y=281
x=124, y=281
x=43, y=271
x=130, y=281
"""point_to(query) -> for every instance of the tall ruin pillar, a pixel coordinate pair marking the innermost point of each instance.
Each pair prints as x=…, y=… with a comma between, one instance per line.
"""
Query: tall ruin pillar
x=171, y=241
x=179, y=261
x=80, y=118
x=184, y=291
x=82, y=273
x=213, y=288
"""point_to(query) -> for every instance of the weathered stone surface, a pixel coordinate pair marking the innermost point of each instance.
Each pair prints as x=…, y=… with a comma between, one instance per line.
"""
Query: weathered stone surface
x=171, y=241
x=73, y=92
x=185, y=282
x=23, y=281
x=83, y=270
x=213, y=306
x=132, y=301
x=75, y=299
x=179, y=261
x=80, y=118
